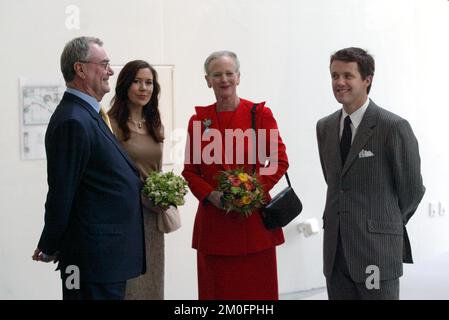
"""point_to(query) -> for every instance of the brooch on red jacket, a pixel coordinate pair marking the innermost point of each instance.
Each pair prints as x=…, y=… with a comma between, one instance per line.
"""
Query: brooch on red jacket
x=207, y=123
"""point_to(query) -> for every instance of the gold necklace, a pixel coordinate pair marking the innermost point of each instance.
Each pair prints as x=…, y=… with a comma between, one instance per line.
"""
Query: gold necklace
x=138, y=123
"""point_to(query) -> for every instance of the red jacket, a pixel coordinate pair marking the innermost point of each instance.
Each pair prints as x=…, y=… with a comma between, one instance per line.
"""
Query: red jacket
x=216, y=232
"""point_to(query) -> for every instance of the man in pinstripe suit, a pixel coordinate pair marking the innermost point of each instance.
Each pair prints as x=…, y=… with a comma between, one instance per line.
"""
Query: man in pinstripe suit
x=371, y=164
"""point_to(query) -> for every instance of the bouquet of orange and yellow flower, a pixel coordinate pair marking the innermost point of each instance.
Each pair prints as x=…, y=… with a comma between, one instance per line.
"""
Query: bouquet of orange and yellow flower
x=241, y=191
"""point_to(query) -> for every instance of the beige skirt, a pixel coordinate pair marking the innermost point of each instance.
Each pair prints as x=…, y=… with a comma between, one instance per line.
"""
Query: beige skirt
x=149, y=286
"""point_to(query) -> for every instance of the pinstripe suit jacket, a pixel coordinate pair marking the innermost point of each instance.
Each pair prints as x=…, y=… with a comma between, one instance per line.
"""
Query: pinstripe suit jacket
x=371, y=198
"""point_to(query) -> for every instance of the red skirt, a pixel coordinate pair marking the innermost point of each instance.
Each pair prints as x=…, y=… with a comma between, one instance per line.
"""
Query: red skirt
x=249, y=277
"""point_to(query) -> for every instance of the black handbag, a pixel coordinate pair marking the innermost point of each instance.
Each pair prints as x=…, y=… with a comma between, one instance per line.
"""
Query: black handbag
x=285, y=206
x=282, y=209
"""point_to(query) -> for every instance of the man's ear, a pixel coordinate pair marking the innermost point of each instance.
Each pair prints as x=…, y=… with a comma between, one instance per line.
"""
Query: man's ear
x=78, y=67
x=369, y=80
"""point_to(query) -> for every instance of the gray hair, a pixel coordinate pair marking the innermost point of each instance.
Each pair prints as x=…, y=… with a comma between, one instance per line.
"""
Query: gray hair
x=218, y=54
x=75, y=50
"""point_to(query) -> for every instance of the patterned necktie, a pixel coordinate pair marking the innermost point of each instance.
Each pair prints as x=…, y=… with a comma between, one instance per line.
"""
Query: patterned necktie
x=346, y=138
x=105, y=117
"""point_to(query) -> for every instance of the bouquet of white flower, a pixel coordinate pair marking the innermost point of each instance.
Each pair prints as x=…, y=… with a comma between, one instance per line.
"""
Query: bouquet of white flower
x=165, y=189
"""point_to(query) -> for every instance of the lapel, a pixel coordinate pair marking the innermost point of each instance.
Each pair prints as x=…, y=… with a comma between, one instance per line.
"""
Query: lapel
x=208, y=114
x=103, y=127
x=241, y=120
x=364, y=132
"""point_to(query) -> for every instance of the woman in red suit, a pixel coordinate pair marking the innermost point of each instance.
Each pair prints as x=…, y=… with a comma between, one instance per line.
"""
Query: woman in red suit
x=236, y=256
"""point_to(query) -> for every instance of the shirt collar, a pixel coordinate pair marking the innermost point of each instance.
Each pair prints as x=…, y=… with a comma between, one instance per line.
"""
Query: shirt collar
x=89, y=99
x=356, y=116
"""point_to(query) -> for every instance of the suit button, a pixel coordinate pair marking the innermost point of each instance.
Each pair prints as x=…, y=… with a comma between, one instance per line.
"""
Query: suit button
x=342, y=191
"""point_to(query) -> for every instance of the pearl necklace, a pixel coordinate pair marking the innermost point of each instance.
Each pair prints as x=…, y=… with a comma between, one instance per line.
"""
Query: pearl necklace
x=138, y=123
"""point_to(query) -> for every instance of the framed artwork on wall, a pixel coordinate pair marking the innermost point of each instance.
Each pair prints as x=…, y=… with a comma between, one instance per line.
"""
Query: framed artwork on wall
x=38, y=100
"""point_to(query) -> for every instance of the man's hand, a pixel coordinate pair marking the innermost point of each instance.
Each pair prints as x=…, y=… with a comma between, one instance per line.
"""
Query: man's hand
x=215, y=198
x=38, y=255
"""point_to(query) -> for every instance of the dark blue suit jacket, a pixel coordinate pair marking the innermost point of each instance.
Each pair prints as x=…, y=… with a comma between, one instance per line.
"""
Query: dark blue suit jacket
x=93, y=215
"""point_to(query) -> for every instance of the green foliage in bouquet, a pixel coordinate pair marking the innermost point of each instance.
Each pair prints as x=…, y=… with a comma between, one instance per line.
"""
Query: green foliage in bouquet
x=165, y=189
x=241, y=191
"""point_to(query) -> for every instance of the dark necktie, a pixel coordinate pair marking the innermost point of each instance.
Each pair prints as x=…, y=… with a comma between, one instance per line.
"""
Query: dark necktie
x=345, y=142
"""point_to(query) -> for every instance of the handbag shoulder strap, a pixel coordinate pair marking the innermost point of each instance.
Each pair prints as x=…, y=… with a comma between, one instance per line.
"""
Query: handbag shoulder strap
x=288, y=180
x=253, y=116
x=253, y=125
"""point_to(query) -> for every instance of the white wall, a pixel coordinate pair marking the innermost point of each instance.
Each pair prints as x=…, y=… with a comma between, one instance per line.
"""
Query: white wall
x=284, y=48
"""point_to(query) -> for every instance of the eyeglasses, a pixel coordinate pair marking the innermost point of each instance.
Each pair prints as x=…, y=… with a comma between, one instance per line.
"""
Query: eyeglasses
x=106, y=64
x=219, y=75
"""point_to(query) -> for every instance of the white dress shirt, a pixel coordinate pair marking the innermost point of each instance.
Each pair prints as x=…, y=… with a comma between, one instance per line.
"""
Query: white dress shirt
x=356, y=118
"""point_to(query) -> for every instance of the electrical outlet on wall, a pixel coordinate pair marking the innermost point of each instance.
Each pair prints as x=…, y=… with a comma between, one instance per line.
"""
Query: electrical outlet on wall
x=433, y=209
x=441, y=209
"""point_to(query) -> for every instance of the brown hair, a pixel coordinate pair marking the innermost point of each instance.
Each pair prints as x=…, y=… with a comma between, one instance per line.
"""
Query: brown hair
x=119, y=109
x=365, y=62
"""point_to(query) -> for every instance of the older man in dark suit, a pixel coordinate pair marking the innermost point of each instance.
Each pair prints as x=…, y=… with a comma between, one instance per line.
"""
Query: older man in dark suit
x=93, y=217
x=371, y=164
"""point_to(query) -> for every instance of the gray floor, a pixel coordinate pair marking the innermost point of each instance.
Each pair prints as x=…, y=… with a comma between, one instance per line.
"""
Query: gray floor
x=423, y=280
x=304, y=295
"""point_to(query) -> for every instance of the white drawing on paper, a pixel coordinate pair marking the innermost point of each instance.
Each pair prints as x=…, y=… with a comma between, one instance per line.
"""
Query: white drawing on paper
x=39, y=103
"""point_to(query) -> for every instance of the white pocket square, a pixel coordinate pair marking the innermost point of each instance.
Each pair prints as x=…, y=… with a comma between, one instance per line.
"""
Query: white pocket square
x=365, y=154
